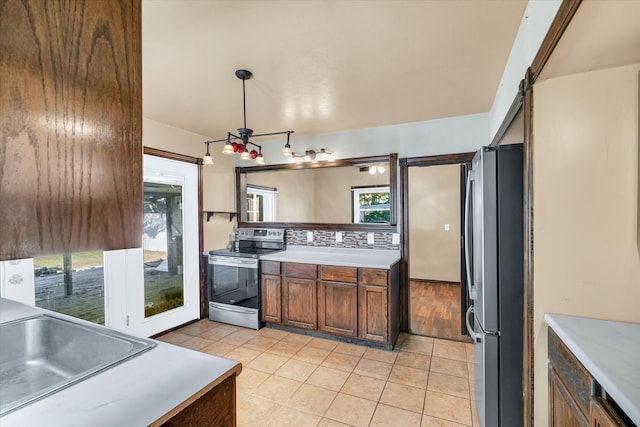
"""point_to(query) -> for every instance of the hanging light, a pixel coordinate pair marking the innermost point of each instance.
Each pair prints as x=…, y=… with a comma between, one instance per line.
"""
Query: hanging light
x=244, y=133
x=286, y=151
x=207, y=159
x=228, y=146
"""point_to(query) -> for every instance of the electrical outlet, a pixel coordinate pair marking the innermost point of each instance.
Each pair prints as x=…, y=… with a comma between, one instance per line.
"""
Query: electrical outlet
x=395, y=239
x=370, y=238
x=446, y=227
x=338, y=236
x=309, y=236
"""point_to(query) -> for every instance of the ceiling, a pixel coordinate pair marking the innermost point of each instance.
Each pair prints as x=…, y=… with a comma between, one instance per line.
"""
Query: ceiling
x=322, y=66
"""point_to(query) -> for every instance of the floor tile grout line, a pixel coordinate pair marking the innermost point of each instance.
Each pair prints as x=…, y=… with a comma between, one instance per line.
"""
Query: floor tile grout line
x=351, y=372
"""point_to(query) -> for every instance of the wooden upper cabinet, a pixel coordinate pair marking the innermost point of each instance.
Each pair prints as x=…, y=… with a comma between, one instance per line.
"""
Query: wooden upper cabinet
x=70, y=126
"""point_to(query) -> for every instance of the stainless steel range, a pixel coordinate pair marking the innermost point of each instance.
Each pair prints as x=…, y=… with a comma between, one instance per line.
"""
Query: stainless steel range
x=233, y=277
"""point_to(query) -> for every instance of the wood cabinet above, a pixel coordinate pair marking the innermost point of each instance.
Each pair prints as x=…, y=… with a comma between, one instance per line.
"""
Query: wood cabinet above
x=71, y=127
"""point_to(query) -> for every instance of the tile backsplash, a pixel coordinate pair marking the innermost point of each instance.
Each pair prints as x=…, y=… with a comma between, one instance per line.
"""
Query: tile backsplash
x=350, y=239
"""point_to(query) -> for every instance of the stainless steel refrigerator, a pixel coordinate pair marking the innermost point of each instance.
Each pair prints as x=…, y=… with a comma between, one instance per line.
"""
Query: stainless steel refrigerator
x=494, y=263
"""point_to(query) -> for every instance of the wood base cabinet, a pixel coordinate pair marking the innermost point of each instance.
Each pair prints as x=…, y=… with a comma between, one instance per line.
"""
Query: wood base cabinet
x=338, y=300
x=300, y=295
x=271, y=298
x=575, y=397
x=300, y=299
x=359, y=304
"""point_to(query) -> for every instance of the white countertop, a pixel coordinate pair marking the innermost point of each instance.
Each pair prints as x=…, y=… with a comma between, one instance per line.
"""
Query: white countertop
x=610, y=351
x=346, y=257
x=134, y=393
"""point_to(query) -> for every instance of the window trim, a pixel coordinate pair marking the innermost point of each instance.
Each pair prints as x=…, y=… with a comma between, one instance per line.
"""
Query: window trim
x=355, y=205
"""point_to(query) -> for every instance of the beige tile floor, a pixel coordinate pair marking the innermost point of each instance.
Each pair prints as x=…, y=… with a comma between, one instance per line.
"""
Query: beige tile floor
x=290, y=379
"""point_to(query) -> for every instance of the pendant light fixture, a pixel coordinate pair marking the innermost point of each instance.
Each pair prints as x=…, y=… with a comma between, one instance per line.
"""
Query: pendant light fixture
x=240, y=143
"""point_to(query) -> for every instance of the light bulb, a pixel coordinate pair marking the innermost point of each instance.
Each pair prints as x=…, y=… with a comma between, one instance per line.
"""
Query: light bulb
x=245, y=155
x=207, y=159
x=260, y=159
x=227, y=149
x=292, y=157
x=372, y=170
x=381, y=168
x=286, y=151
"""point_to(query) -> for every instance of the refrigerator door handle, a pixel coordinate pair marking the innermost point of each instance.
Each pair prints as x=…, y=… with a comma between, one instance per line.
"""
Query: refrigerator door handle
x=467, y=207
x=475, y=337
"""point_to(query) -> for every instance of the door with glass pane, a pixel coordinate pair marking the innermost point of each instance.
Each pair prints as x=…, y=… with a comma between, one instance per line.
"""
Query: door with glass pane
x=170, y=293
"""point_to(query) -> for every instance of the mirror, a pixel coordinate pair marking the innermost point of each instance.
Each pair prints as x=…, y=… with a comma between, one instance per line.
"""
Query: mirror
x=341, y=193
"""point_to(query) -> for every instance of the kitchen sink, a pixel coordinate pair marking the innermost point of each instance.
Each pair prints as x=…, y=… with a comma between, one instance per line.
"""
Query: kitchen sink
x=43, y=354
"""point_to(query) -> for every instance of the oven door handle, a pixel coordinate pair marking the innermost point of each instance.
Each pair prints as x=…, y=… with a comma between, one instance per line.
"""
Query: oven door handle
x=226, y=307
x=240, y=264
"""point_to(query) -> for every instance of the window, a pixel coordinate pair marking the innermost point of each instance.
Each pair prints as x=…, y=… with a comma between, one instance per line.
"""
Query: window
x=72, y=284
x=371, y=205
x=261, y=203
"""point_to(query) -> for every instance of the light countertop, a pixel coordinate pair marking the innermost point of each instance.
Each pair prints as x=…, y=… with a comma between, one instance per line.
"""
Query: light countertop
x=345, y=257
x=134, y=393
x=610, y=351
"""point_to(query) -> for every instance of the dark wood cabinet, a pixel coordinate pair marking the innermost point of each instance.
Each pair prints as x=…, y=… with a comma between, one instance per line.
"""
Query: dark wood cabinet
x=574, y=395
x=338, y=300
x=338, y=308
x=271, y=298
x=563, y=410
x=373, y=307
x=373, y=304
x=601, y=414
x=71, y=121
x=214, y=407
x=359, y=304
x=300, y=302
x=299, y=295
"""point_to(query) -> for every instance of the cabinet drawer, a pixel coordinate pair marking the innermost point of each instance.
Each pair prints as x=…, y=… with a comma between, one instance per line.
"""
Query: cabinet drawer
x=270, y=267
x=303, y=271
x=371, y=276
x=570, y=371
x=339, y=274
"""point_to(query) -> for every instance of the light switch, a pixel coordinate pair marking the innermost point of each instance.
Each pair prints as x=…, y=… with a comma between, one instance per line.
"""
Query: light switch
x=446, y=227
x=395, y=239
x=338, y=236
x=309, y=236
x=370, y=238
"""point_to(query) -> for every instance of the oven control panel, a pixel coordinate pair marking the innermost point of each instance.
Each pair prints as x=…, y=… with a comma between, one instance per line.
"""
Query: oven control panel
x=271, y=234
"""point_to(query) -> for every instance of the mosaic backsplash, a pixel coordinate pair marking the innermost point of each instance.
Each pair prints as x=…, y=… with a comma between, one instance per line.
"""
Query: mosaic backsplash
x=350, y=239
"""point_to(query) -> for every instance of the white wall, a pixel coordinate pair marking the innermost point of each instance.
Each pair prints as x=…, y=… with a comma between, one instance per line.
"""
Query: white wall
x=443, y=136
x=586, y=222
x=534, y=26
